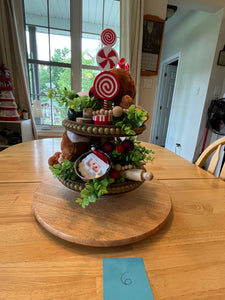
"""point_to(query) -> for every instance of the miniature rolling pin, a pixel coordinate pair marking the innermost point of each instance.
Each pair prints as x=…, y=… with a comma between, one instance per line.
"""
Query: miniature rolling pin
x=137, y=175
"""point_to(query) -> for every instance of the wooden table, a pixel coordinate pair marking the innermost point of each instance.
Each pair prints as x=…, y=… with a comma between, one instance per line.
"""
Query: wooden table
x=185, y=259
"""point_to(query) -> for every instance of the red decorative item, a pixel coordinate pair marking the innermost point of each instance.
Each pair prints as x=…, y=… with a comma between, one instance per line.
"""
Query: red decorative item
x=114, y=174
x=102, y=120
x=101, y=155
x=108, y=37
x=108, y=147
x=7, y=100
x=121, y=63
x=105, y=104
x=92, y=164
x=5, y=78
x=10, y=118
x=107, y=58
x=120, y=148
x=106, y=85
x=5, y=87
x=128, y=145
x=8, y=107
x=127, y=67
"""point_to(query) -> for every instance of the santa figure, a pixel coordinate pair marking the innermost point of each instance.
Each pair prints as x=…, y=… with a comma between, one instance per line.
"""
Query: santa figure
x=96, y=164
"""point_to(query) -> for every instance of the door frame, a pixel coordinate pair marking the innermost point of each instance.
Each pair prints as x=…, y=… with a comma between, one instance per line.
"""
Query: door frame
x=161, y=82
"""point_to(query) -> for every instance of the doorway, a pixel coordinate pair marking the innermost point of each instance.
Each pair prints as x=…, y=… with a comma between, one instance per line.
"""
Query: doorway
x=167, y=80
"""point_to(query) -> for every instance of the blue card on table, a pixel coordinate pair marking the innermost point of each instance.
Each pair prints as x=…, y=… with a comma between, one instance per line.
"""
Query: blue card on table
x=125, y=279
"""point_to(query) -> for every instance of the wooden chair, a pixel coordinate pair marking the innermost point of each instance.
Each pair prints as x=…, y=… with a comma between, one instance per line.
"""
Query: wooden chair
x=216, y=146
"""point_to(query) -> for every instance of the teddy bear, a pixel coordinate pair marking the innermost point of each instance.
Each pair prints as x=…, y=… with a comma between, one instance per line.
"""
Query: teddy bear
x=127, y=92
x=72, y=146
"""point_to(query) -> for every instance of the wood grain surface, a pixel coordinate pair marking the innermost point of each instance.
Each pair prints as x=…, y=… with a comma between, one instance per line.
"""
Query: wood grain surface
x=113, y=220
x=185, y=259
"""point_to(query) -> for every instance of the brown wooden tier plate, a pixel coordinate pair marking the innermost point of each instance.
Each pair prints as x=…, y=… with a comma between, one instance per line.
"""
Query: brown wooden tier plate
x=113, y=220
x=98, y=130
x=114, y=188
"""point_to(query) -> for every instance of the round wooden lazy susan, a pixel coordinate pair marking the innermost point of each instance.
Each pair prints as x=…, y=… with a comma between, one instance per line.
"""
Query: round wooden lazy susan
x=113, y=220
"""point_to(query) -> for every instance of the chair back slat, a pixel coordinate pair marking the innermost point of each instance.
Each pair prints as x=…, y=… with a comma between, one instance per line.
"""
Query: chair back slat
x=214, y=160
x=222, y=173
x=214, y=147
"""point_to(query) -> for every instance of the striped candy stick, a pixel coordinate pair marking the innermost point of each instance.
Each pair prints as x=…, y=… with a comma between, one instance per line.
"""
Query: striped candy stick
x=105, y=104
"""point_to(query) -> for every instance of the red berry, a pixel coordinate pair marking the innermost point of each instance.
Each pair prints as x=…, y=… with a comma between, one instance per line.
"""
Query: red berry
x=128, y=145
x=108, y=147
x=114, y=174
x=129, y=148
x=120, y=148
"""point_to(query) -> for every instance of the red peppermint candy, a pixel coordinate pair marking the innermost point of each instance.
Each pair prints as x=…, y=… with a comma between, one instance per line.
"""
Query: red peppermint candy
x=108, y=37
x=106, y=85
x=107, y=58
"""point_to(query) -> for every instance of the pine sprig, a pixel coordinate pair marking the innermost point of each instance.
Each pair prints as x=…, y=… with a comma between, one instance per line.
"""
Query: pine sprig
x=93, y=190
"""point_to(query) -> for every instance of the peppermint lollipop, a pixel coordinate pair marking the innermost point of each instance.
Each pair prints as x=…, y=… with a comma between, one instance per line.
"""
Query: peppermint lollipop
x=107, y=58
x=106, y=86
x=108, y=37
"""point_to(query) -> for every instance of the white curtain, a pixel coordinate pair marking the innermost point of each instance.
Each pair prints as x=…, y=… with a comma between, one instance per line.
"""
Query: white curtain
x=131, y=28
x=13, y=51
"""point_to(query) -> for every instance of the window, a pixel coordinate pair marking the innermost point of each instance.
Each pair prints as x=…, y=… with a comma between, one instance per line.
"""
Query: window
x=62, y=41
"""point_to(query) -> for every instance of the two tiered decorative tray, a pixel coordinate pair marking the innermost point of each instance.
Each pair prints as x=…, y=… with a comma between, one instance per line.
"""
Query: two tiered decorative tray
x=127, y=212
x=99, y=198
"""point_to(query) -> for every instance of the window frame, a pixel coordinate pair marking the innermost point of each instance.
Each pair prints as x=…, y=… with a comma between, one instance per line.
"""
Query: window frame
x=36, y=62
x=76, y=66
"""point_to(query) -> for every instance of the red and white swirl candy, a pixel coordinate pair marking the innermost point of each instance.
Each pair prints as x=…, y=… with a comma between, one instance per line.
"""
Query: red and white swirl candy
x=106, y=85
x=107, y=58
x=108, y=37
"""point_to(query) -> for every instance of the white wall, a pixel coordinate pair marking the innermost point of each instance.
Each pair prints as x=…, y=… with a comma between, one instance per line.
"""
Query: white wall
x=216, y=89
x=148, y=84
x=196, y=39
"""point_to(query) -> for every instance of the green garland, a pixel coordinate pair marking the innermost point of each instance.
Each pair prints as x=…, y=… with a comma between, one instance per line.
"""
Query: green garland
x=63, y=97
x=131, y=119
x=65, y=170
x=138, y=156
x=93, y=190
x=70, y=99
